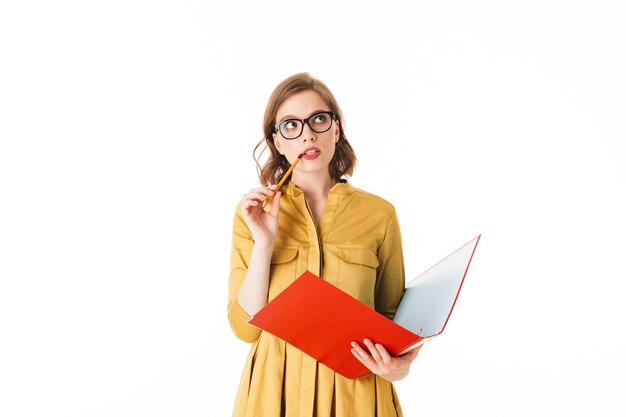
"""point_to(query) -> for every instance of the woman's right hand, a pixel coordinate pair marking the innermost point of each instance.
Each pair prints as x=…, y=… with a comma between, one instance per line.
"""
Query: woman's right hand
x=263, y=224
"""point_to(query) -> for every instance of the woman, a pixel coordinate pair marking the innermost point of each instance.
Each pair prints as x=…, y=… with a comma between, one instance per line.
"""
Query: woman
x=321, y=223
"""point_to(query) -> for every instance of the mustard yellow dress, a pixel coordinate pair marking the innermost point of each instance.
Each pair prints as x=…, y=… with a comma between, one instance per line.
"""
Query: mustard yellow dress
x=357, y=248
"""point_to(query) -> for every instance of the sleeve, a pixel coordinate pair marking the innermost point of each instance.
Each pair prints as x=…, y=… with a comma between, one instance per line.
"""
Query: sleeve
x=390, y=278
x=241, y=252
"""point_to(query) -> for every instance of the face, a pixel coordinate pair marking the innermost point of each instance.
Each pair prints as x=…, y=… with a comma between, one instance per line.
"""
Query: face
x=319, y=147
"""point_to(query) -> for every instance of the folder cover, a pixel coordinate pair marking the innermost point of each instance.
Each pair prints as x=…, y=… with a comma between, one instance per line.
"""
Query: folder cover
x=322, y=320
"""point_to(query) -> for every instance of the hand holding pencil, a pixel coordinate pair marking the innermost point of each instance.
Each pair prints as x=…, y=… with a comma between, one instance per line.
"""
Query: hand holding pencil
x=264, y=224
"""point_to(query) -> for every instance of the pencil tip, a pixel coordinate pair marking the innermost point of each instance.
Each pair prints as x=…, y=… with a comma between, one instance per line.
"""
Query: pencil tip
x=301, y=155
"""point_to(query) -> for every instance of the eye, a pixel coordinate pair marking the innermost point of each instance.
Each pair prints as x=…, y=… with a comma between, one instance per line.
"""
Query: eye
x=289, y=124
x=320, y=118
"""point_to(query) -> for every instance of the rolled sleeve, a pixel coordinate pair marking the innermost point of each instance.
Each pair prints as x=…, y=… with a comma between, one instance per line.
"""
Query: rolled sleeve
x=390, y=278
x=241, y=252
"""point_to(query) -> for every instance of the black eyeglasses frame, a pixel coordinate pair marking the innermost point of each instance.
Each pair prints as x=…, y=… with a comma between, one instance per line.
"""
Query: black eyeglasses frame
x=305, y=121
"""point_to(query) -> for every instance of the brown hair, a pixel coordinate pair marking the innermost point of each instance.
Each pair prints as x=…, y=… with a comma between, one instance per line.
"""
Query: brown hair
x=344, y=159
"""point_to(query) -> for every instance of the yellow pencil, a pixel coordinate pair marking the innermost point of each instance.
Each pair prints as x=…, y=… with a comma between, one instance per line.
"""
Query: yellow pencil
x=283, y=179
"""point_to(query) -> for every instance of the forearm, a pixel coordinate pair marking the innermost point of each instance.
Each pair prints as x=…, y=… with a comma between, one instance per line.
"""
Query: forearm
x=252, y=295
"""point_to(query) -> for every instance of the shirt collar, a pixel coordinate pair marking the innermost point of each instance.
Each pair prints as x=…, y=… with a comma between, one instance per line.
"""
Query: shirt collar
x=343, y=187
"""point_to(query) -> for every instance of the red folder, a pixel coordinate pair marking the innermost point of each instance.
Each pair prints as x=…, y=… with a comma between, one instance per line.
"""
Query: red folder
x=322, y=321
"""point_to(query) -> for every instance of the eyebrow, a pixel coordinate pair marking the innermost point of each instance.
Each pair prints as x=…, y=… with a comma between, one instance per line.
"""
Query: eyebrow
x=291, y=116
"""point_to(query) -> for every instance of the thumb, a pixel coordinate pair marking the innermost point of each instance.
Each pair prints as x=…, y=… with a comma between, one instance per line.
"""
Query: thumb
x=276, y=204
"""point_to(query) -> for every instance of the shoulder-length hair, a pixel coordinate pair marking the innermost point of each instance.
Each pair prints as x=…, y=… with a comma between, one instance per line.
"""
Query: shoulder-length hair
x=344, y=159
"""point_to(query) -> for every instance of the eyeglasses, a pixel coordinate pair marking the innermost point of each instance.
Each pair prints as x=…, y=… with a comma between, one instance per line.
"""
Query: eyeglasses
x=318, y=122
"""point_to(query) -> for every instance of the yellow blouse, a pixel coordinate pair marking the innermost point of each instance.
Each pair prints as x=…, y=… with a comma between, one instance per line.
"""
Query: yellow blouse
x=358, y=248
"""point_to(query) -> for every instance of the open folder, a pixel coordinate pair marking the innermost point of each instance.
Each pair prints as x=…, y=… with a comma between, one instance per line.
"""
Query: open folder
x=322, y=320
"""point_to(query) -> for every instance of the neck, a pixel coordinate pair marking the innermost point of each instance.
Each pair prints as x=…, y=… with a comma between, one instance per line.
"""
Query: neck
x=315, y=187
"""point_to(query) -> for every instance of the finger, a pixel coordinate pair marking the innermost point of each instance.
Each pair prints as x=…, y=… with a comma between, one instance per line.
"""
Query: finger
x=373, y=351
x=264, y=191
x=275, y=204
x=250, y=202
x=246, y=206
x=368, y=363
x=359, y=358
x=270, y=189
x=257, y=196
x=411, y=355
x=249, y=215
x=414, y=351
x=363, y=356
x=384, y=354
x=269, y=192
x=251, y=206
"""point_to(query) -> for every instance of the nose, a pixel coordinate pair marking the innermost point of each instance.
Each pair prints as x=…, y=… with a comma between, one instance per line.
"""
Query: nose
x=308, y=133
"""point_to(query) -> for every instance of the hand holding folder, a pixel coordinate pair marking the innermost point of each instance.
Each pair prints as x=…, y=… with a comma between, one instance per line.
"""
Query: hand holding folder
x=322, y=320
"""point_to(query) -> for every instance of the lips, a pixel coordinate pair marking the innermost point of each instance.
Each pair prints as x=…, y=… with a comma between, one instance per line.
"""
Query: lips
x=311, y=153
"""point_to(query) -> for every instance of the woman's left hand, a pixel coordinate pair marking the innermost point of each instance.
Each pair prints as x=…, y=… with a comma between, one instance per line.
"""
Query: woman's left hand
x=381, y=363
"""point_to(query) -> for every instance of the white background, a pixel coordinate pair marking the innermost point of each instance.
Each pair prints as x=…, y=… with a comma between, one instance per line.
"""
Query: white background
x=127, y=130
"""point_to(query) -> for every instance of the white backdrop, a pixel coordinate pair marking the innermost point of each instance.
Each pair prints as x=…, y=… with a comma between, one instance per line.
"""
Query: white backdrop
x=127, y=129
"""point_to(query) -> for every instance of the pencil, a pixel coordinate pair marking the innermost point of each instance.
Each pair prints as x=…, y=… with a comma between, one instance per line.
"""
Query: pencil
x=283, y=179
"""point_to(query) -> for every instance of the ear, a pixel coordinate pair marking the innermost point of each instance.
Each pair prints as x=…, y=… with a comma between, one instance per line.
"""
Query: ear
x=337, y=131
x=277, y=144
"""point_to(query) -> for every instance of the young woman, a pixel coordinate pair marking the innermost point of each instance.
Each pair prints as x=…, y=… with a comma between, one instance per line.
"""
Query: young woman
x=321, y=223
